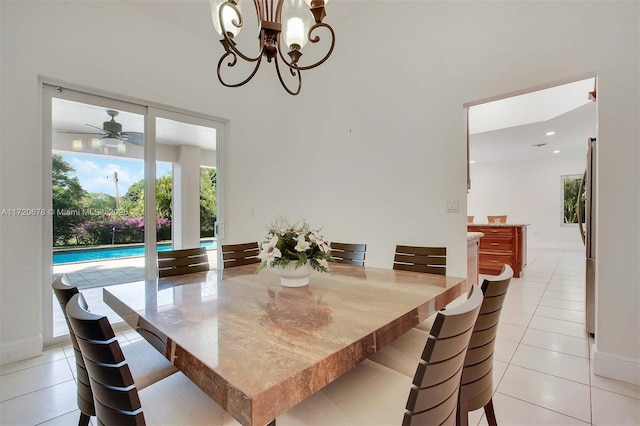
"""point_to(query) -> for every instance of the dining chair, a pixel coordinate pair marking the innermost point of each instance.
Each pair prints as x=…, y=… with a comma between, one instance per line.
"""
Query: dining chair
x=476, y=384
x=118, y=400
x=351, y=254
x=497, y=219
x=182, y=261
x=240, y=254
x=371, y=394
x=432, y=260
x=147, y=364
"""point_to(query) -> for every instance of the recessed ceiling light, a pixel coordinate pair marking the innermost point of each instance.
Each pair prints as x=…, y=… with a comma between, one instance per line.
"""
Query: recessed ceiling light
x=472, y=161
x=551, y=133
x=557, y=151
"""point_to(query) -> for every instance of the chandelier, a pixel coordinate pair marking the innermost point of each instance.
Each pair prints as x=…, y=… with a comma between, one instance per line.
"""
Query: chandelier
x=289, y=26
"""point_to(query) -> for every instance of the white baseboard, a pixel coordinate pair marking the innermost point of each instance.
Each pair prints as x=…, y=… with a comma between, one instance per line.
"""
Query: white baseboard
x=616, y=367
x=554, y=246
x=23, y=349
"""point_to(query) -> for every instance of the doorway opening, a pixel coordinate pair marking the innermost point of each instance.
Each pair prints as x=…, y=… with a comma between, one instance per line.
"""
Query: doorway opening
x=521, y=146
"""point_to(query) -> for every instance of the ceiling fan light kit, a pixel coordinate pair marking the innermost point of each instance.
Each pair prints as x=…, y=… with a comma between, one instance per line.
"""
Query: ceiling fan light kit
x=288, y=24
x=110, y=142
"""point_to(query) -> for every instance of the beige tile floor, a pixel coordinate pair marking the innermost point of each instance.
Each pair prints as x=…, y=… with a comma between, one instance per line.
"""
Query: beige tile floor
x=542, y=362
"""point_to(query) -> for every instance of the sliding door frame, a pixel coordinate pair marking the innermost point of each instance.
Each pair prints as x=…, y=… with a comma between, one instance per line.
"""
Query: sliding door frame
x=53, y=88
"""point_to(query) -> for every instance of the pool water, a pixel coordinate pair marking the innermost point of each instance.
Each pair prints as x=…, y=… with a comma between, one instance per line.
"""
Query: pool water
x=112, y=253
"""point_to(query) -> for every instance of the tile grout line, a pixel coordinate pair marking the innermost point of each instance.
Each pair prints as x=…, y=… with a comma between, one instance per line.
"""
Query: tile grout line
x=38, y=390
x=518, y=346
x=546, y=408
x=512, y=355
x=552, y=350
x=551, y=375
x=589, y=371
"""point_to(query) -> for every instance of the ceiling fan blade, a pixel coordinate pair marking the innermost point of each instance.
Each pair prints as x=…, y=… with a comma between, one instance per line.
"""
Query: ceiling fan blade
x=103, y=132
x=136, y=138
x=79, y=133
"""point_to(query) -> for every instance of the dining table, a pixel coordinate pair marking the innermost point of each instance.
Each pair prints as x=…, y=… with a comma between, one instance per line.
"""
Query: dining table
x=258, y=348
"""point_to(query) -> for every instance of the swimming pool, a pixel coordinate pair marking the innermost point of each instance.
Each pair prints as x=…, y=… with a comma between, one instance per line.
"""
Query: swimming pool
x=80, y=255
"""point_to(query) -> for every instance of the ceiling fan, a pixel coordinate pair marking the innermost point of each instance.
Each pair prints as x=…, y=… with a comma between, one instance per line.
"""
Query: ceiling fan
x=112, y=134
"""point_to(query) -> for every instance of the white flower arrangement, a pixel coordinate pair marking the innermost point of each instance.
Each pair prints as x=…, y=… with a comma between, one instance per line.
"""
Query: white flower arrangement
x=287, y=243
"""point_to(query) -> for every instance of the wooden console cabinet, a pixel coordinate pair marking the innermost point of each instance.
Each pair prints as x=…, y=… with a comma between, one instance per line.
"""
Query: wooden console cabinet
x=502, y=243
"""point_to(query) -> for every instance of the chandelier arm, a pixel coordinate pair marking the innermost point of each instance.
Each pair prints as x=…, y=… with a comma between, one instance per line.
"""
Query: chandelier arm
x=230, y=45
x=260, y=13
x=231, y=64
x=268, y=12
x=279, y=12
x=312, y=40
x=293, y=72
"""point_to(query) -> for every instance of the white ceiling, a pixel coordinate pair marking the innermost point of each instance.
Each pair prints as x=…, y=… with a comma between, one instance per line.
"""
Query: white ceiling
x=70, y=116
x=510, y=129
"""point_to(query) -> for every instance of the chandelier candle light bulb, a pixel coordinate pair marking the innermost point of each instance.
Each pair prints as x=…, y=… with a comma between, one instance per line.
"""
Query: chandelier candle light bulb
x=297, y=19
x=229, y=16
x=295, y=33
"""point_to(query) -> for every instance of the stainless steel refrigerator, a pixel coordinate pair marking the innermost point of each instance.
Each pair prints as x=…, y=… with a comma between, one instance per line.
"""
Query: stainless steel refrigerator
x=588, y=234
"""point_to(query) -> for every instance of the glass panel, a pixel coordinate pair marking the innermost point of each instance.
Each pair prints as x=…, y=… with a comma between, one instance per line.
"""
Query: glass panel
x=572, y=194
x=164, y=196
x=208, y=205
x=191, y=148
x=97, y=199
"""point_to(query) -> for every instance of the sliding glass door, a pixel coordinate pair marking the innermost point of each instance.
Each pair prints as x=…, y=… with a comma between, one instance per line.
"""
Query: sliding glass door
x=125, y=181
x=96, y=228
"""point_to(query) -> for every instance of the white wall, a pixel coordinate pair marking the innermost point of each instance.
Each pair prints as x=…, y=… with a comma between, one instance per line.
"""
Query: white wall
x=373, y=147
x=528, y=192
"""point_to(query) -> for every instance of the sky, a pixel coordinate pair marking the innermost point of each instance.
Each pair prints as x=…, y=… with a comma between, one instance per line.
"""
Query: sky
x=95, y=173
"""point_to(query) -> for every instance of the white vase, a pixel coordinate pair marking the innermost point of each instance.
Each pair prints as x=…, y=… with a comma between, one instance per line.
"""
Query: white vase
x=290, y=276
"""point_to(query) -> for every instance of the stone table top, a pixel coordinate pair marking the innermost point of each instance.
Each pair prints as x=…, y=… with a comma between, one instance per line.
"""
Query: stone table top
x=258, y=348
